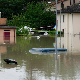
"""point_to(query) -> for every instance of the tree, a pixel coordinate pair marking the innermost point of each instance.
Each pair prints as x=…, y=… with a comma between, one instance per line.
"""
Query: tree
x=7, y=7
x=34, y=17
x=37, y=15
x=48, y=19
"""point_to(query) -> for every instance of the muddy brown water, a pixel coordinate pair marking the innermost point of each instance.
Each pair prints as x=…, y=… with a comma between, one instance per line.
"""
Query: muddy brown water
x=39, y=66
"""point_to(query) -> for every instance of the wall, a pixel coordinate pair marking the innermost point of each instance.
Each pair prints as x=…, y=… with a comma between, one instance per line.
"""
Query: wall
x=71, y=24
x=63, y=24
x=66, y=3
x=12, y=39
x=76, y=23
x=3, y=21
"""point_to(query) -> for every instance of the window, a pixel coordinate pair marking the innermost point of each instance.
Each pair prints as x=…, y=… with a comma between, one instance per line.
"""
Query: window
x=6, y=30
x=7, y=36
x=70, y=2
x=63, y=18
x=73, y=1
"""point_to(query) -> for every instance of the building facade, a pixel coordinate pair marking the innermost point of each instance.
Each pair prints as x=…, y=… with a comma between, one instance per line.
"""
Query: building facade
x=7, y=33
x=70, y=19
x=64, y=3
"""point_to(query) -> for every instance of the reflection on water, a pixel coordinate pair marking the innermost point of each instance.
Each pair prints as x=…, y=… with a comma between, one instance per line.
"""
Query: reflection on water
x=7, y=40
x=40, y=67
x=71, y=43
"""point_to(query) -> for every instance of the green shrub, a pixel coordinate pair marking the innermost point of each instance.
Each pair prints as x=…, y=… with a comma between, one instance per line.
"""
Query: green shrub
x=59, y=32
x=22, y=32
x=52, y=33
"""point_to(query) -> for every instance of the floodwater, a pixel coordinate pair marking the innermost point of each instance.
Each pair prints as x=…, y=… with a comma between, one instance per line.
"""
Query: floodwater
x=39, y=66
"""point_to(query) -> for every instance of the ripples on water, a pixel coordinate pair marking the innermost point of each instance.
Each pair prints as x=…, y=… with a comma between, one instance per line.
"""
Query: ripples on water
x=39, y=67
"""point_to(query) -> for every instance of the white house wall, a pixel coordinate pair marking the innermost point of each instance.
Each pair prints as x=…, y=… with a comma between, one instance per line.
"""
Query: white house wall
x=63, y=24
x=76, y=23
x=71, y=24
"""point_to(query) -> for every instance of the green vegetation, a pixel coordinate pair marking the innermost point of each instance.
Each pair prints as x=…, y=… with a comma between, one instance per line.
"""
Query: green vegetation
x=7, y=7
x=39, y=30
x=53, y=33
x=31, y=13
x=35, y=16
x=59, y=32
x=21, y=32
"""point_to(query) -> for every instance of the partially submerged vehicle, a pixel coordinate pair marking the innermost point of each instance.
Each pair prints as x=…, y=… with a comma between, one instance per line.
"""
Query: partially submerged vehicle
x=9, y=61
x=46, y=50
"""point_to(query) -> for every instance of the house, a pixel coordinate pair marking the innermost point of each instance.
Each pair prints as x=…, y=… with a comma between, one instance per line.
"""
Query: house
x=64, y=4
x=70, y=15
x=70, y=19
x=7, y=33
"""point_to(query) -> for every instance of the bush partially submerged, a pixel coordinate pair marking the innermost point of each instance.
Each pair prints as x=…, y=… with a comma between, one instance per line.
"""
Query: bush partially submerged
x=22, y=31
x=53, y=33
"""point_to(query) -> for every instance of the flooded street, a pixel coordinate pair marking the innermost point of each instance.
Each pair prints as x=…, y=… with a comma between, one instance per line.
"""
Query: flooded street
x=40, y=66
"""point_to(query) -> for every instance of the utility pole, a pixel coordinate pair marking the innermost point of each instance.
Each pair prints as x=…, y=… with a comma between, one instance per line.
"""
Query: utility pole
x=56, y=32
x=60, y=23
